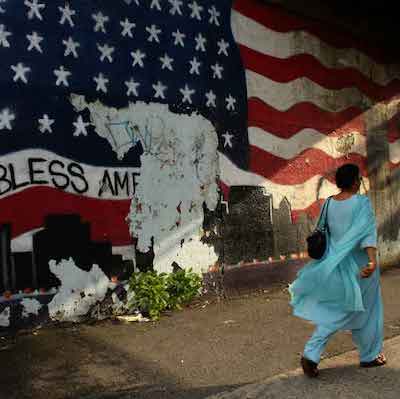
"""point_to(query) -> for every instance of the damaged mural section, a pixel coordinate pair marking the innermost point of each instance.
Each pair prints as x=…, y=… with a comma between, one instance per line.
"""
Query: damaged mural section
x=170, y=218
x=82, y=295
x=92, y=185
x=78, y=292
x=177, y=181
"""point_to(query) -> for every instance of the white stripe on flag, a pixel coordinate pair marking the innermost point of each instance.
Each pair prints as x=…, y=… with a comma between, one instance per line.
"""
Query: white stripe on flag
x=300, y=196
x=304, y=140
x=41, y=159
x=284, y=45
x=282, y=96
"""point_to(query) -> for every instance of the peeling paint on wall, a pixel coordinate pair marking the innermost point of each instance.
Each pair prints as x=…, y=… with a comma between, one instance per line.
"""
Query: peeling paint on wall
x=179, y=168
x=5, y=317
x=176, y=179
x=30, y=307
x=78, y=292
x=345, y=143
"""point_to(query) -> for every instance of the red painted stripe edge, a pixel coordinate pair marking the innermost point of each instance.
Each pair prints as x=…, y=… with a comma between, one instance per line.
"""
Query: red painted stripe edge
x=27, y=210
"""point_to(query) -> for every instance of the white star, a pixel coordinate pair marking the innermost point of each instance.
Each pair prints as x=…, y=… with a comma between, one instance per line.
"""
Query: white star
x=20, y=72
x=106, y=52
x=138, y=57
x=100, y=22
x=166, y=62
x=178, y=38
x=132, y=87
x=196, y=10
x=34, y=9
x=194, y=66
x=45, y=124
x=2, y=10
x=230, y=103
x=34, y=42
x=223, y=47
x=101, y=82
x=159, y=90
x=67, y=14
x=80, y=127
x=154, y=32
x=70, y=47
x=214, y=14
x=62, y=76
x=228, y=139
x=155, y=3
x=5, y=119
x=176, y=7
x=211, y=97
x=187, y=94
x=3, y=36
x=217, y=71
x=200, y=42
x=128, y=26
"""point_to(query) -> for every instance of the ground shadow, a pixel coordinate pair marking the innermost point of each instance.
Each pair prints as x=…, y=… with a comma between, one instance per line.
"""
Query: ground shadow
x=72, y=366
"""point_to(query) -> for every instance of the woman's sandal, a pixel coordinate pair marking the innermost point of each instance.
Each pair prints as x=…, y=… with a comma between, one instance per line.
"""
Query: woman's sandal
x=380, y=360
x=310, y=368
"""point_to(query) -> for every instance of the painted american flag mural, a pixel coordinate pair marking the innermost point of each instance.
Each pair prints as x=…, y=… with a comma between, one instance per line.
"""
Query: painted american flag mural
x=285, y=95
x=53, y=161
x=309, y=87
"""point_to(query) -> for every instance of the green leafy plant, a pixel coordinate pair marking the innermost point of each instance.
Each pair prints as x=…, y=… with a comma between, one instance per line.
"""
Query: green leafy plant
x=182, y=287
x=152, y=293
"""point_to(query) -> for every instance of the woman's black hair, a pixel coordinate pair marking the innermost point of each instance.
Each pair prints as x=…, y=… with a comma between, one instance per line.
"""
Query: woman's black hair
x=347, y=175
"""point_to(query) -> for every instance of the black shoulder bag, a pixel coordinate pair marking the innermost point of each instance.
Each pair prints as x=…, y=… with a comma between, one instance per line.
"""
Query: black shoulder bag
x=316, y=242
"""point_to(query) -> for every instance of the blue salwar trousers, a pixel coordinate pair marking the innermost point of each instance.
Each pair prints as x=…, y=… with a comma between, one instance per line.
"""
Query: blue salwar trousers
x=367, y=337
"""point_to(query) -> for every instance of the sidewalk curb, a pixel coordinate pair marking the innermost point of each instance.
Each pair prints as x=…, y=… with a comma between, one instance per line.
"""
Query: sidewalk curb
x=283, y=382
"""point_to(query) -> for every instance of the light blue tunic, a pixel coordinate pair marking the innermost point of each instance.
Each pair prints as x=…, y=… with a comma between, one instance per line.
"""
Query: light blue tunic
x=330, y=292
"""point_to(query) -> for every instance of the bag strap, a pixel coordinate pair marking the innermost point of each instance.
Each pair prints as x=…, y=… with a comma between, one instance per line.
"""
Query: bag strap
x=326, y=224
x=324, y=215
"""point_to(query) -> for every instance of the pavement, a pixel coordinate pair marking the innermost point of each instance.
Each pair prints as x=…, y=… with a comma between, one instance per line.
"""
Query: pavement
x=340, y=377
x=208, y=348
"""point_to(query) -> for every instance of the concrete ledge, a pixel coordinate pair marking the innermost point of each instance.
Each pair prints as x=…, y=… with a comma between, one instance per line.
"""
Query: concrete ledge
x=238, y=280
x=246, y=278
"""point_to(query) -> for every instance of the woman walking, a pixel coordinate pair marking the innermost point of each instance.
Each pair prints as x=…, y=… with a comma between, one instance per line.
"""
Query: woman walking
x=341, y=291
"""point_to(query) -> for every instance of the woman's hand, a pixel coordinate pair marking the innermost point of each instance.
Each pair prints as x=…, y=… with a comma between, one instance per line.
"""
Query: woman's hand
x=368, y=270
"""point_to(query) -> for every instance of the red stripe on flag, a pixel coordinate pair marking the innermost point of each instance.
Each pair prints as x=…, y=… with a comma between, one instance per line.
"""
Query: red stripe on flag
x=225, y=190
x=27, y=211
x=305, y=65
x=312, y=211
x=303, y=167
x=302, y=115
